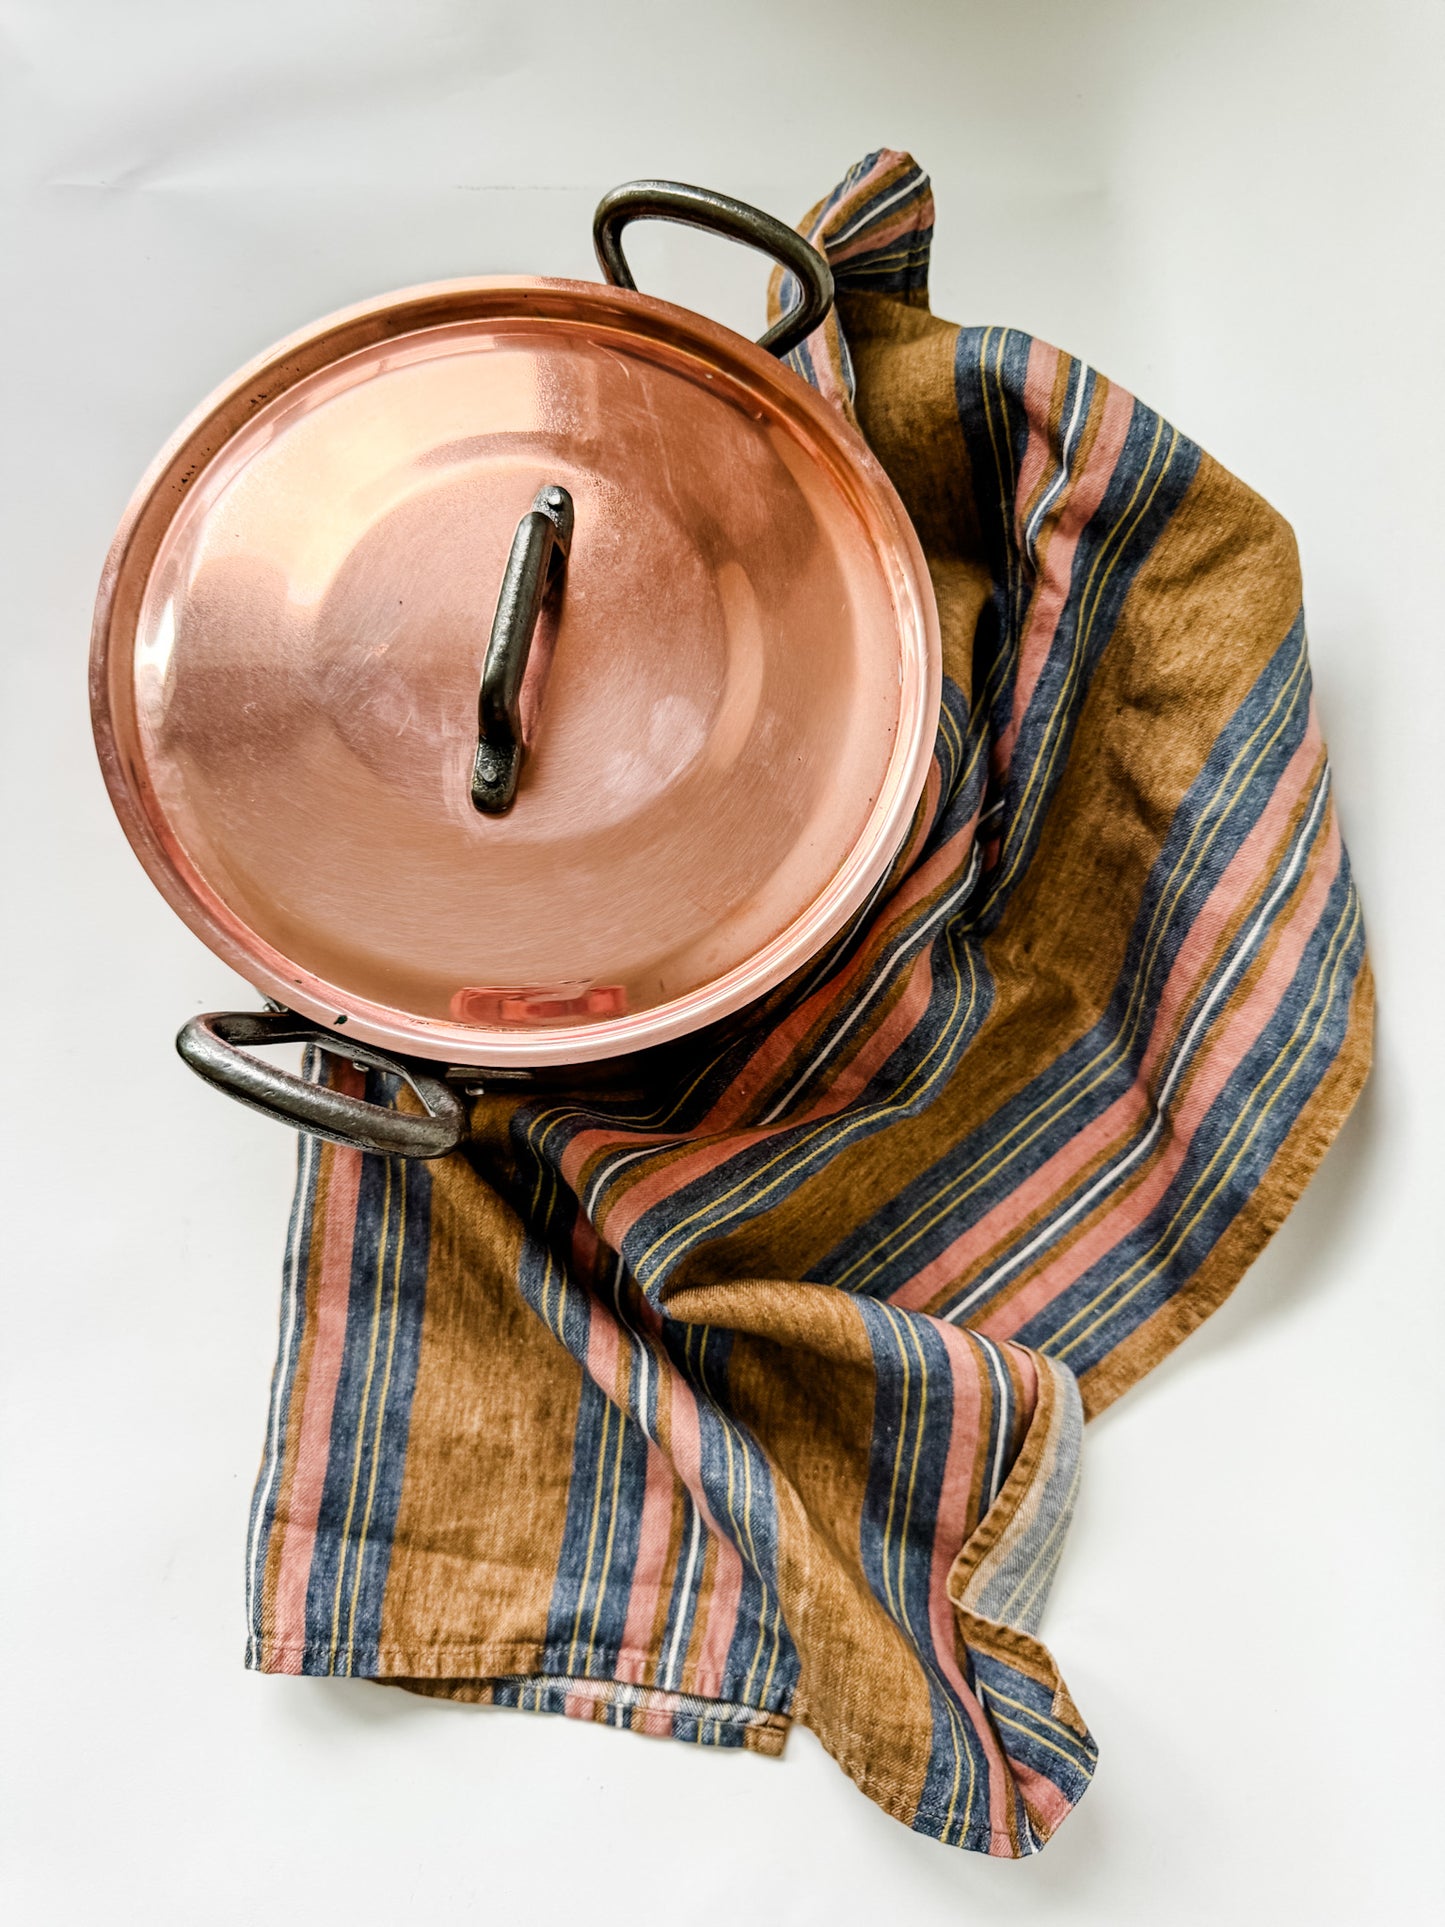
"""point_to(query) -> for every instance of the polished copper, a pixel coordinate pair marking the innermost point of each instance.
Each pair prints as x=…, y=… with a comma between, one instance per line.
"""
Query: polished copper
x=728, y=725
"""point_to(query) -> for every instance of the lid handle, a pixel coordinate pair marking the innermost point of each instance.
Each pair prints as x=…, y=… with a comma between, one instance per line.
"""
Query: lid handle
x=536, y=563
x=718, y=214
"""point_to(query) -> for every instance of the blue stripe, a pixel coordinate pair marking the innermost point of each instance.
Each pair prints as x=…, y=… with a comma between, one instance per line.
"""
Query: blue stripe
x=1232, y=1149
x=1021, y=1710
x=1216, y=816
x=770, y=1171
x=598, y=1554
x=908, y=1454
x=610, y=1453
x=371, y=1417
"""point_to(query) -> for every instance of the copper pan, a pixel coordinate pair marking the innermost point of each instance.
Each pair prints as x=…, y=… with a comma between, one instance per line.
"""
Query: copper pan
x=510, y=675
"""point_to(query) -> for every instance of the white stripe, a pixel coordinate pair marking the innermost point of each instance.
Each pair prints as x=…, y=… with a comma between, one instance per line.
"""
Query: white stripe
x=1176, y=1070
x=686, y=1593
x=880, y=983
x=1031, y=532
x=611, y=1166
x=1005, y=1402
x=618, y=1160
x=871, y=213
x=644, y=1352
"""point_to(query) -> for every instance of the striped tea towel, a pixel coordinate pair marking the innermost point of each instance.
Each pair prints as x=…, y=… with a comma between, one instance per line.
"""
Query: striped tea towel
x=758, y=1396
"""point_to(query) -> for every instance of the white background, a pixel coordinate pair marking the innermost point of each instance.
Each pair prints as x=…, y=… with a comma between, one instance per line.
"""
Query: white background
x=1231, y=206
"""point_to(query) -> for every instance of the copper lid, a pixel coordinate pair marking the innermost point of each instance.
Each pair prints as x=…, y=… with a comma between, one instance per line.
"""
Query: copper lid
x=728, y=712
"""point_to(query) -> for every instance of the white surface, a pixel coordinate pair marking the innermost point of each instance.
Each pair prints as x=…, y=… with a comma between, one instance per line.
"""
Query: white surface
x=1232, y=208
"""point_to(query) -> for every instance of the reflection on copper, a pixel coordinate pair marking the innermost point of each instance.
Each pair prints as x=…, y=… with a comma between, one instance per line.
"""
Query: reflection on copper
x=741, y=688
x=554, y=1004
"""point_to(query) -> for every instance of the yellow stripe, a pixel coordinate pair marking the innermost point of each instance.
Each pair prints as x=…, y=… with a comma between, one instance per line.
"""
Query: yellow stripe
x=592, y=1536
x=546, y=1175
x=1079, y=1760
x=1011, y=485
x=1336, y=948
x=658, y=1120
x=790, y=1157
x=892, y=1597
x=920, y=1424
x=949, y=728
x=763, y=1602
x=988, y=409
x=607, y=1550
x=734, y=1442
x=377, y=1429
x=960, y=1747
x=1107, y=1058
x=1054, y=1726
x=1340, y=939
x=1040, y=769
x=361, y=1419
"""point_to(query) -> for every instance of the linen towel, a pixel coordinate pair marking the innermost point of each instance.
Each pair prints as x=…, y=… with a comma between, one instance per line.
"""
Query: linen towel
x=757, y=1395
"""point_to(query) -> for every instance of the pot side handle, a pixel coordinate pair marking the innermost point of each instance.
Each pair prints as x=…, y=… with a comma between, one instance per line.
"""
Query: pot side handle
x=214, y=1046
x=699, y=207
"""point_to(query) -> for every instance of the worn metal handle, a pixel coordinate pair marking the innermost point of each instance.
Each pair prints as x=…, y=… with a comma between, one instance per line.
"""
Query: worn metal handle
x=718, y=214
x=538, y=557
x=215, y=1048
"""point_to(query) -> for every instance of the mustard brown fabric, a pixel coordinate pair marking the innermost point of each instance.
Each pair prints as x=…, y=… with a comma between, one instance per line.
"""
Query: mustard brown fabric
x=755, y=1392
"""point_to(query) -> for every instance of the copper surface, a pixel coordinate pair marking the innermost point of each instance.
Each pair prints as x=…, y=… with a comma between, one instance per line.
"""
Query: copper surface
x=729, y=726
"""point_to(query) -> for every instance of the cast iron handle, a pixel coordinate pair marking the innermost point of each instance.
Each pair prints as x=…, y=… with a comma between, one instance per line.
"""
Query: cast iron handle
x=214, y=1047
x=718, y=214
x=537, y=560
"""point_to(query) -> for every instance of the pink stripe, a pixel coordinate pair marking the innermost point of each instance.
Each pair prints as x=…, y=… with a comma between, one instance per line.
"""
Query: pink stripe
x=1043, y=1799
x=1230, y=893
x=781, y=1040
x=908, y=218
x=966, y=1369
x=303, y=1507
x=1230, y=1045
x=654, y=1529
x=1223, y=903
x=587, y=1250
x=1079, y=503
x=1041, y=451
x=828, y=366
x=715, y=1150
x=890, y=1034
x=780, y=1043
x=914, y=211
x=1047, y=1806
x=925, y=816
x=685, y=1449
x=606, y=1361
x=773, y=1051
x=684, y=1444
x=722, y=1619
x=839, y=215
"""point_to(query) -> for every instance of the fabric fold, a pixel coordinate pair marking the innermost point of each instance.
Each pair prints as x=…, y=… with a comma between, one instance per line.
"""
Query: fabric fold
x=782, y=1502
x=758, y=1394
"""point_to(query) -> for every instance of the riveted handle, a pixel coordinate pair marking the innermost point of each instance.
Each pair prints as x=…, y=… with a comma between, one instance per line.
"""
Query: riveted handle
x=535, y=565
x=215, y=1048
x=718, y=214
